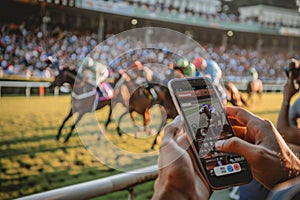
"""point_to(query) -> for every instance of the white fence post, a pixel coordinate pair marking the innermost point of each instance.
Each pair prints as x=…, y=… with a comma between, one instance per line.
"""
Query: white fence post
x=27, y=92
x=56, y=91
x=130, y=193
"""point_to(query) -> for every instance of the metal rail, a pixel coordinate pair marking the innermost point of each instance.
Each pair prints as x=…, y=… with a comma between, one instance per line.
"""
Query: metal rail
x=100, y=187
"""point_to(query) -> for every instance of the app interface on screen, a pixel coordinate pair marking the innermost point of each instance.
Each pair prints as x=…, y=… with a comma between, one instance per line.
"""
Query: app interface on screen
x=207, y=123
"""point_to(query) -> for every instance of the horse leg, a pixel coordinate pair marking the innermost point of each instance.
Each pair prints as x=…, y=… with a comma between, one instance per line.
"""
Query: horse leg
x=146, y=118
x=136, y=125
x=164, y=115
x=119, y=121
x=106, y=123
x=108, y=118
x=73, y=126
x=261, y=90
x=62, y=125
x=244, y=102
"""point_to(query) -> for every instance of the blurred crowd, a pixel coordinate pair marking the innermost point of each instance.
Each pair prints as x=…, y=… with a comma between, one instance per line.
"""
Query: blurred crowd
x=207, y=10
x=25, y=52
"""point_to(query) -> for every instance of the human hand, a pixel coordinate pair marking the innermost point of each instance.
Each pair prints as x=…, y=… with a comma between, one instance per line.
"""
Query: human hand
x=270, y=159
x=289, y=90
x=179, y=176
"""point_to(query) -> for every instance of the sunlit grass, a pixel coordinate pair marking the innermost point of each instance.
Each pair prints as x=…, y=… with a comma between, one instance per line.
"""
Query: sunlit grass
x=32, y=161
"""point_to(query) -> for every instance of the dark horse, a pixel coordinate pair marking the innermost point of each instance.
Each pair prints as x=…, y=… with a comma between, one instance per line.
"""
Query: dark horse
x=234, y=96
x=255, y=86
x=83, y=98
x=135, y=99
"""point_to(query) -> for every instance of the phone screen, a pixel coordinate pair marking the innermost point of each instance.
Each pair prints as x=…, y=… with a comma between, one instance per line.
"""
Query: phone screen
x=206, y=122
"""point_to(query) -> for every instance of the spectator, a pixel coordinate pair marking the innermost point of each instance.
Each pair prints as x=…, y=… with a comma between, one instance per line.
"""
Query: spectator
x=1, y=72
x=187, y=68
x=210, y=69
x=289, y=130
x=252, y=73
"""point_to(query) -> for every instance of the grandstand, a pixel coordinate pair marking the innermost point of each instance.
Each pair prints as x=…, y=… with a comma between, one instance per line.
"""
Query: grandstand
x=232, y=38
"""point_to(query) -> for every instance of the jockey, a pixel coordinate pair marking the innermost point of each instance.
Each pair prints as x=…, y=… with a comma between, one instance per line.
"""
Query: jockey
x=142, y=75
x=252, y=73
x=211, y=69
x=188, y=69
x=51, y=61
x=94, y=73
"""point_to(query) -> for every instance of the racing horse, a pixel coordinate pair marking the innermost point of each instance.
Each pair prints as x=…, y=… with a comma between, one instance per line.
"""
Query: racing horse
x=167, y=108
x=254, y=86
x=84, y=99
x=234, y=96
x=136, y=100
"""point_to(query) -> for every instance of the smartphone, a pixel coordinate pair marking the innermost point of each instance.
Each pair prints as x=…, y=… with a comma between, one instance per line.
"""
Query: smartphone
x=197, y=101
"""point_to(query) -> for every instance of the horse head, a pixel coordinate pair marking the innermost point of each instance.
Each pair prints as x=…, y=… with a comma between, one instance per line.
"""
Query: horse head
x=64, y=78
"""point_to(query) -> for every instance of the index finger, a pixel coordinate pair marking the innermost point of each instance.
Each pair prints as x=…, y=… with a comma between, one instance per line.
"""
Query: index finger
x=171, y=130
x=241, y=115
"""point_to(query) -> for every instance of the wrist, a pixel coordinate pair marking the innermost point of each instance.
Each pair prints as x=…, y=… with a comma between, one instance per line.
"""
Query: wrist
x=286, y=102
x=291, y=164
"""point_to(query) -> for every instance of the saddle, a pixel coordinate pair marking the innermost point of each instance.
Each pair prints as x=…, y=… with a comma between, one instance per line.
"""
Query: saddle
x=106, y=91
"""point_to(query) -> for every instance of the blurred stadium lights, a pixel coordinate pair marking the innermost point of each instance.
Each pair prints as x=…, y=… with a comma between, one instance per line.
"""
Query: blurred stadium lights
x=229, y=33
x=134, y=21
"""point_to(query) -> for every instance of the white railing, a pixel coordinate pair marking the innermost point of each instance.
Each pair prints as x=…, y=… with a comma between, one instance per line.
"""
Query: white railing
x=25, y=84
x=241, y=84
x=100, y=187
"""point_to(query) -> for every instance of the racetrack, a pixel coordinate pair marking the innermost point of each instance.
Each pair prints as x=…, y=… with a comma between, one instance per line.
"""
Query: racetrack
x=32, y=161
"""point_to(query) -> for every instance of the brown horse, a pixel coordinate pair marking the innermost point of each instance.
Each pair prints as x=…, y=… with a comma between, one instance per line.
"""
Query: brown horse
x=234, y=96
x=136, y=100
x=255, y=86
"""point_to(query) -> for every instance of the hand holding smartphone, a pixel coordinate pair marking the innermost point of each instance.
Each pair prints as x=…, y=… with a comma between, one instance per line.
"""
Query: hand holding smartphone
x=198, y=102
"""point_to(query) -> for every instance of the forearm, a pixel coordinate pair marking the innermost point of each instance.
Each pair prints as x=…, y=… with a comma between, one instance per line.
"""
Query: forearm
x=290, y=133
x=289, y=161
x=283, y=117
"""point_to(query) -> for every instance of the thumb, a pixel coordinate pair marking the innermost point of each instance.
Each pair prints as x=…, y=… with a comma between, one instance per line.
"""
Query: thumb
x=237, y=146
x=171, y=130
x=169, y=150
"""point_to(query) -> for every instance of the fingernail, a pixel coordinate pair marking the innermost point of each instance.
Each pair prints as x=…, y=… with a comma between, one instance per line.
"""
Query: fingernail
x=177, y=120
x=219, y=144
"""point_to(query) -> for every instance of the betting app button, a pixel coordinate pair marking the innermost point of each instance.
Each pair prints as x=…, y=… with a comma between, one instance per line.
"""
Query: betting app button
x=229, y=168
x=223, y=170
x=236, y=167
